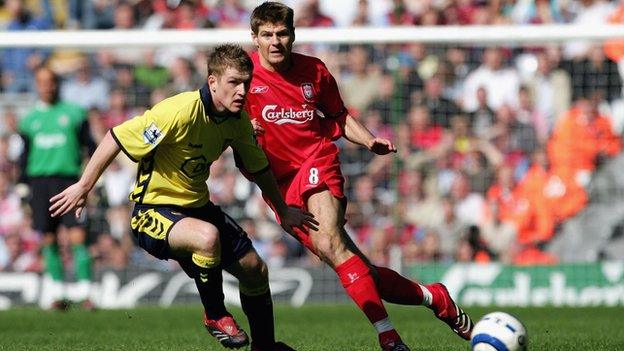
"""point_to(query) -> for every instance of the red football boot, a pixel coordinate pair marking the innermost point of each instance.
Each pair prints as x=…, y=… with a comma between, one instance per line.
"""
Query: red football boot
x=227, y=332
x=391, y=341
x=446, y=310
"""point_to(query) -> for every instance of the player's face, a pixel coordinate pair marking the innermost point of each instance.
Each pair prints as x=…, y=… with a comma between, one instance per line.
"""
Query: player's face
x=229, y=90
x=46, y=85
x=274, y=42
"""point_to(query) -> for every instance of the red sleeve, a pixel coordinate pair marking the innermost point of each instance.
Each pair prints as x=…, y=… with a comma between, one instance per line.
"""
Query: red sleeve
x=331, y=105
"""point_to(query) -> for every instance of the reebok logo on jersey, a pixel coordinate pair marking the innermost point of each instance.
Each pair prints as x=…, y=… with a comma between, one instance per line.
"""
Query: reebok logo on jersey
x=271, y=113
x=259, y=89
x=151, y=134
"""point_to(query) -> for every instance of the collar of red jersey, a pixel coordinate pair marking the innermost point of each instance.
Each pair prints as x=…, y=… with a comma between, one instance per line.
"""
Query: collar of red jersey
x=206, y=99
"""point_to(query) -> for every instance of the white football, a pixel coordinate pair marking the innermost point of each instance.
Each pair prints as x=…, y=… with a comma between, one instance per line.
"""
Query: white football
x=499, y=331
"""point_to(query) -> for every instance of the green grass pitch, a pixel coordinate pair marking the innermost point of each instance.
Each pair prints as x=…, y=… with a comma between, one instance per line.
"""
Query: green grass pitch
x=319, y=327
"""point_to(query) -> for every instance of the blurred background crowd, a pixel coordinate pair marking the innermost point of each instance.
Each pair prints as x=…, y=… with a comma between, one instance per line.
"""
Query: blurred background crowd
x=497, y=145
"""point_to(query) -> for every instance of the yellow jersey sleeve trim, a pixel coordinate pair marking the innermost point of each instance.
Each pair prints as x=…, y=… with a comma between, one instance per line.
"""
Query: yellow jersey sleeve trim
x=122, y=147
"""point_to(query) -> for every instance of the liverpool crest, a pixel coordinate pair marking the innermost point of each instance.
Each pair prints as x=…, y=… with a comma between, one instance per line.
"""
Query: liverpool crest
x=307, y=89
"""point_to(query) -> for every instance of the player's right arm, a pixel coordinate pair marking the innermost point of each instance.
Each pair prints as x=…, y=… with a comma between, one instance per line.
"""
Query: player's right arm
x=136, y=137
x=75, y=196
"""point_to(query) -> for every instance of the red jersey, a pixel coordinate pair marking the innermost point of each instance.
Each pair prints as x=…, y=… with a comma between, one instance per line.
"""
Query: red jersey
x=300, y=110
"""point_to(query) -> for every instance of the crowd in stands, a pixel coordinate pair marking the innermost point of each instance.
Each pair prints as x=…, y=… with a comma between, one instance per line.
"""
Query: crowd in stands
x=496, y=145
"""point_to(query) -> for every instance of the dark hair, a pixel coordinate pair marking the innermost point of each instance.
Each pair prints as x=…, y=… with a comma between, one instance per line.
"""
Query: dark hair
x=229, y=56
x=272, y=12
x=44, y=68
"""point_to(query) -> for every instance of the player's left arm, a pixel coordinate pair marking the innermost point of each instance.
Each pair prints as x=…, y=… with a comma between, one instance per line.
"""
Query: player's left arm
x=334, y=109
x=252, y=162
x=357, y=133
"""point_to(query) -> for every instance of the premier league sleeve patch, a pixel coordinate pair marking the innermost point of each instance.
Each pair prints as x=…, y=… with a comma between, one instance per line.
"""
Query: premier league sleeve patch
x=152, y=134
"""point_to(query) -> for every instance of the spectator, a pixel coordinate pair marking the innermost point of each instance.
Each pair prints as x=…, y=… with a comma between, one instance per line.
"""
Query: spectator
x=310, y=15
x=182, y=75
x=528, y=115
x=125, y=19
x=550, y=89
x=11, y=214
x=506, y=205
x=8, y=167
x=118, y=180
x=361, y=85
x=186, y=16
x=481, y=119
x=118, y=111
x=561, y=194
x=135, y=94
x=97, y=124
x=17, y=64
x=385, y=100
x=501, y=84
x=440, y=108
x=449, y=229
x=229, y=14
x=515, y=139
x=109, y=254
x=98, y=14
x=537, y=12
x=581, y=139
x=18, y=257
x=106, y=62
x=596, y=74
x=15, y=142
x=399, y=15
x=149, y=73
x=85, y=89
x=469, y=206
x=424, y=133
x=361, y=17
x=587, y=12
x=614, y=48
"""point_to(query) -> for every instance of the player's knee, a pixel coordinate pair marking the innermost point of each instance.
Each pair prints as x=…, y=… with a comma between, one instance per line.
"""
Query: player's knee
x=321, y=244
x=256, y=273
x=49, y=239
x=208, y=240
x=327, y=248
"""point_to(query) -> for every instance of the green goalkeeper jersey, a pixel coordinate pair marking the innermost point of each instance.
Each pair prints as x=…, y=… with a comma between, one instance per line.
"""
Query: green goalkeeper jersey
x=54, y=135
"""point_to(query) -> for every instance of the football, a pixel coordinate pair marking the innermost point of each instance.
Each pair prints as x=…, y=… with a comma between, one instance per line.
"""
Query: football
x=499, y=331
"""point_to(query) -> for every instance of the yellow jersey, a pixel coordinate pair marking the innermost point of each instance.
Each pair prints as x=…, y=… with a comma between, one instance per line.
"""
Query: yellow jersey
x=175, y=143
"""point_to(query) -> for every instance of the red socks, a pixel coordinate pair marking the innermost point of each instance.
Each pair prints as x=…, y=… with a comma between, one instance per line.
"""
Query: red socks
x=359, y=284
x=357, y=280
x=395, y=288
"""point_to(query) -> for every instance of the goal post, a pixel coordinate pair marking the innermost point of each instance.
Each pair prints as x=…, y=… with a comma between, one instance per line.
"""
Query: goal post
x=503, y=34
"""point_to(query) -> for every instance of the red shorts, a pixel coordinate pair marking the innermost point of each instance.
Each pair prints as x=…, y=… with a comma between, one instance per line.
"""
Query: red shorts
x=315, y=175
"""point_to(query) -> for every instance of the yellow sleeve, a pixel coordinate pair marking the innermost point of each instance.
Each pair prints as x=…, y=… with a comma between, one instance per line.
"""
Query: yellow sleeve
x=138, y=136
x=248, y=155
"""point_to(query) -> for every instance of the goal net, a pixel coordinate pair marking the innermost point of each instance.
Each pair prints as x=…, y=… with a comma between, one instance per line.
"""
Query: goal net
x=508, y=137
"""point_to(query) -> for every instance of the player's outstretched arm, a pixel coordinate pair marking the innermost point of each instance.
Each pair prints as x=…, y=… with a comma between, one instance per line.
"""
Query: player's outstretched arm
x=289, y=216
x=356, y=133
x=75, y=196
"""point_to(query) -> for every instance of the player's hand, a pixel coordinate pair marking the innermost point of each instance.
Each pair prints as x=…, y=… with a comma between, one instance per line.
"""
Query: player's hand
x=294, y=217
x=257, y=128
x=74, y=197
x=381, y=146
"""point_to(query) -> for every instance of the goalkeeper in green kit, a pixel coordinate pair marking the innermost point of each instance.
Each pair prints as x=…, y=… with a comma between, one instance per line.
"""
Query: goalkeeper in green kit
x=56, y=137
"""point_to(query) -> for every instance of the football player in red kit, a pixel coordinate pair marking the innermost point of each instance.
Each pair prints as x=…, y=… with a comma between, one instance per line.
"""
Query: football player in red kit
x=297, y=113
